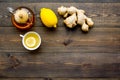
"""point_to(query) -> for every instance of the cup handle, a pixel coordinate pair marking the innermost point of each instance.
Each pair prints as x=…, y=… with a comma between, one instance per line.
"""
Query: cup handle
x=21, y=35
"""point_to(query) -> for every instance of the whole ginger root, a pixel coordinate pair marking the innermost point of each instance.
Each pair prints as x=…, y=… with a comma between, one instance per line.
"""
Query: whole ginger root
x=77, y=16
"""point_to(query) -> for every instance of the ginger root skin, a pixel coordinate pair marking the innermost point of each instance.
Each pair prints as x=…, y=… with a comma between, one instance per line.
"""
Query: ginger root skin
x=71, y=21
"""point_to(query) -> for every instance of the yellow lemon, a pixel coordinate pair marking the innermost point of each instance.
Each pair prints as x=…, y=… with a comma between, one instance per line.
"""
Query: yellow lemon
x=48, y=17
x=30, y=41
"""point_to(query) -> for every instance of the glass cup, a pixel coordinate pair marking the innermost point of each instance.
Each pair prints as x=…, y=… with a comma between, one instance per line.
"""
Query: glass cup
x=31, y=40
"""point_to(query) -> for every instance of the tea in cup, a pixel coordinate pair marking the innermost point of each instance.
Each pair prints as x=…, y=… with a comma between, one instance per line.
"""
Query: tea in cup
x=31, y=40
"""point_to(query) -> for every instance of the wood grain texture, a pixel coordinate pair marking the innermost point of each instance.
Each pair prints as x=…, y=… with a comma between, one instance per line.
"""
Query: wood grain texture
x=94, y=54
x=60, y=79
x=102, y=13
x=60, y=1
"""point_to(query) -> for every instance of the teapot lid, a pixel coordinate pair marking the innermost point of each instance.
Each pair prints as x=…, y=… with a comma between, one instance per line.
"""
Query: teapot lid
x=21, y=15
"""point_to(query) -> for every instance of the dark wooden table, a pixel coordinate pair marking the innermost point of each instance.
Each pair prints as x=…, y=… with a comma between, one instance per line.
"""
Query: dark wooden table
x=92, y=55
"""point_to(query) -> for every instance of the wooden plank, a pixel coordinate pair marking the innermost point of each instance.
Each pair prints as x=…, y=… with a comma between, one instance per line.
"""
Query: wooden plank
x=23, y=79
x=102, y=13
x=98, y=40
x=86, y=79
x=59, y=78
x=95, y=54
x=83, y=1
x=61, y=65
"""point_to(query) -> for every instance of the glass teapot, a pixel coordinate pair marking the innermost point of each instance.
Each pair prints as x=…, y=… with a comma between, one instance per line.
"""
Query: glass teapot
x=22, y=17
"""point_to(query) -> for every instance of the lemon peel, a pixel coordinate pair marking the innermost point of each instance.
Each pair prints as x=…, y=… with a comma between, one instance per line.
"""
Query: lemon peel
x=48, y=17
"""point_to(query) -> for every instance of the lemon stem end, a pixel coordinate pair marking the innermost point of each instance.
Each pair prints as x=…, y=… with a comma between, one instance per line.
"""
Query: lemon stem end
x=54, y=26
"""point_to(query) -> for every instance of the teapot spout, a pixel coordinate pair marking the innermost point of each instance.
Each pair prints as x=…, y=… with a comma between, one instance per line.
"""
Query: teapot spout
x=10, y=9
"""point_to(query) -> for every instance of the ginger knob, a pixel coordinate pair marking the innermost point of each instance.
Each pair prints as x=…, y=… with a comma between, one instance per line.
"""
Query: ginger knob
x=89, y=22
x=85, y=27
x=62, y=11
x=71, y=21
x=81, y=17
x=71, y=10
